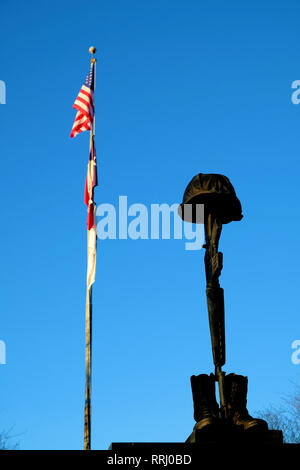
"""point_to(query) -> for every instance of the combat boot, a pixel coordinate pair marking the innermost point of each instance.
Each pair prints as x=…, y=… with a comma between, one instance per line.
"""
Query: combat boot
x=236, y=387
x=206, y=409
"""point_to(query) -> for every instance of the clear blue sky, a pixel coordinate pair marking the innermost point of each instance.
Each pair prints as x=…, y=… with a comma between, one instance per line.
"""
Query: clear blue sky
x=182, y=87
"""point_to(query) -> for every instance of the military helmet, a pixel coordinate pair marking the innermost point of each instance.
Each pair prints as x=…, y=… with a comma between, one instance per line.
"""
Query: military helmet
x=216, y=193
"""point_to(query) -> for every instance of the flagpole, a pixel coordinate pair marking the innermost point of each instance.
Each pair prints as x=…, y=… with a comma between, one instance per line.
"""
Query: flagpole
x=88, y=363
x=88, y=333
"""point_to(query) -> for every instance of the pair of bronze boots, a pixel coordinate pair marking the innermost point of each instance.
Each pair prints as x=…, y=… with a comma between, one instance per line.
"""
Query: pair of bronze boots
x=206, y=408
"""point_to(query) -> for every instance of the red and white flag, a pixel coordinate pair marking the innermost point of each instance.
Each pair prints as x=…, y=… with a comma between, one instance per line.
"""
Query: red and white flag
x=90, y=183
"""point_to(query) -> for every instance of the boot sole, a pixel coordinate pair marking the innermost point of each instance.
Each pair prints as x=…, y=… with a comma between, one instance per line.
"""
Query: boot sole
x=206, y=423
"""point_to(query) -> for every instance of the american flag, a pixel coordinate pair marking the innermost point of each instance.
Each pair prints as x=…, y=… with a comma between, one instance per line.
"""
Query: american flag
x=84, y=104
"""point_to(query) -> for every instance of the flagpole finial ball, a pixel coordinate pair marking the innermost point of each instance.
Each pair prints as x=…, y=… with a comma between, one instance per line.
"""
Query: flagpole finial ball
x=92, y=50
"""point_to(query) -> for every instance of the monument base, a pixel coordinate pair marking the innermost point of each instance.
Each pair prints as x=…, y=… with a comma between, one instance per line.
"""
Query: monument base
x=267, y=449
x=228, y=434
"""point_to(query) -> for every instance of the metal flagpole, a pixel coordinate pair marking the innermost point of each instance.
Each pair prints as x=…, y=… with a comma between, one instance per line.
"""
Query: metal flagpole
x=88, y=364
x=88, y=334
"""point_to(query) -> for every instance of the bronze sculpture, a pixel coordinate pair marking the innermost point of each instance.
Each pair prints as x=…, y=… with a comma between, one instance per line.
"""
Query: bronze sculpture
x=221, y=206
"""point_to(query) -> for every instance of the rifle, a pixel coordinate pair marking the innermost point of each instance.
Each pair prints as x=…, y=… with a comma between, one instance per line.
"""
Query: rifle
x=215, y=300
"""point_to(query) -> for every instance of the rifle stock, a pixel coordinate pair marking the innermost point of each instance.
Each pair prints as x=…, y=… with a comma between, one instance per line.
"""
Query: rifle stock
x=215, y=307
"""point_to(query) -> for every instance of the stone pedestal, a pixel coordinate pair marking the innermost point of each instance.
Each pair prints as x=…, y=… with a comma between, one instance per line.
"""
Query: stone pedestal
x=235, y=449
x=226, y=434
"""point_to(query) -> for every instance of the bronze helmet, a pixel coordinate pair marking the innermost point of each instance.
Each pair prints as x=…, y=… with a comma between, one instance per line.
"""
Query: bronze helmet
x=216, y=193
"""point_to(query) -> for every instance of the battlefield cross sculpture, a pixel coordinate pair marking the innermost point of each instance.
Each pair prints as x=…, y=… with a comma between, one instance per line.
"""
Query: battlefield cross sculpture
x=221, y=206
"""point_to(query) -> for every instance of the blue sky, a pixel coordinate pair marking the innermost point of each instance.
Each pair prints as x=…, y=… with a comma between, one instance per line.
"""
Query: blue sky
x=182, y=87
